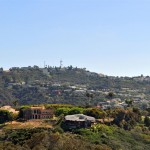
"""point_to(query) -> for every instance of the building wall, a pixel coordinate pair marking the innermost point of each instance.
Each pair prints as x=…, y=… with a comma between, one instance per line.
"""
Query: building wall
x=78, y=124
x=37, y=113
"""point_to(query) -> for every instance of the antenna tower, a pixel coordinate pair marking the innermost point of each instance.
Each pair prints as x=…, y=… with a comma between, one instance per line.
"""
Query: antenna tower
x=44, y=64
x=61, y=63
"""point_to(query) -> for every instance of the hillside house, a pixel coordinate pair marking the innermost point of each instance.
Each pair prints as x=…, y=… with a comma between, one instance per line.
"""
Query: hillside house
x=37, y=113
x=79, y=121
x=10, y=109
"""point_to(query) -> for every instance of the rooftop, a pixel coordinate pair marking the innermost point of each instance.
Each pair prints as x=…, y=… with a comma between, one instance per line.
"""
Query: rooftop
x=79, y=117
x=37, y=107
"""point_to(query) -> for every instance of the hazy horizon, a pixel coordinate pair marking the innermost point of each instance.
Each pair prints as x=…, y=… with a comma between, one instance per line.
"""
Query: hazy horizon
x=105, y=36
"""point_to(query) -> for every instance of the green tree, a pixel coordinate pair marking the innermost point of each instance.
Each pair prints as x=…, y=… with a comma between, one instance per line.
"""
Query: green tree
x=98, y=114
x=75, y=110
x=21, y=111
x=62, y=111
x=147, y=121
x=129, y=102
x=110, y=95
x=5, y=116
x=126, y=119
x=89, y=96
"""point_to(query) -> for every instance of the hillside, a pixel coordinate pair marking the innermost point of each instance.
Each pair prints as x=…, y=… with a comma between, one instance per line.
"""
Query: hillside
x=40, y=135
x=34, y=85
x=112, y=129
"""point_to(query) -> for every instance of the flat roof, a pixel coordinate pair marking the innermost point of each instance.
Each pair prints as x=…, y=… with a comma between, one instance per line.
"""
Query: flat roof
x=79, y=117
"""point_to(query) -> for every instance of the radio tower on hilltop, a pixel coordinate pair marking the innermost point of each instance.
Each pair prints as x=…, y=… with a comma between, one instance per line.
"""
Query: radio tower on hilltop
x=44, y=64
x=61, y=63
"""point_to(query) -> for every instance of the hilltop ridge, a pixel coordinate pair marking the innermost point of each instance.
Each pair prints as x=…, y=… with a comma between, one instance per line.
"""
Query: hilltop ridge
x=70, y=85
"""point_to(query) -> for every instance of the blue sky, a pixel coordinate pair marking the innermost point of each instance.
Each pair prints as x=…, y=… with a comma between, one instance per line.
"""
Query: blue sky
x=105, y=36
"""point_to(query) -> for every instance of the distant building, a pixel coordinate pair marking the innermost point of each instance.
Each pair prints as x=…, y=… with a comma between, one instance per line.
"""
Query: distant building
x=93, y=74
x=104, y=105
x=79, y=121
x=45, y=71
x=10, y=109
x=37, y=113
x=25, y=68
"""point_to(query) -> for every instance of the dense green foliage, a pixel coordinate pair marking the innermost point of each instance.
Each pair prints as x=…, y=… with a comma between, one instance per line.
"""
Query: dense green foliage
x=98, y=137
x=97, y=113
x=68, y=111
x=127, y=119
x=117, y=138
x=42, y=139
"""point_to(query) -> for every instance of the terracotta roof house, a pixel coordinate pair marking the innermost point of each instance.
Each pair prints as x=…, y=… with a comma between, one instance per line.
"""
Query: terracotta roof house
x=79, y=121
x=37, y=113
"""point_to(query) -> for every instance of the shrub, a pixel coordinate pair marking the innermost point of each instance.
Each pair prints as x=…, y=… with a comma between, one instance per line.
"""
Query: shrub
x=95, y=113
x=5, y=116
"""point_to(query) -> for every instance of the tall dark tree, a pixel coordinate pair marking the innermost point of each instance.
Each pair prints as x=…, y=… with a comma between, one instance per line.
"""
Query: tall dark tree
x=147, y=121
x=89, y=96
x=110, y=95
x=5, y=116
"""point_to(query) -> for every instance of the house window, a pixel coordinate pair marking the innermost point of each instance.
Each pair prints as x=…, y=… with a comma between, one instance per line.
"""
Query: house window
x=38, y=111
